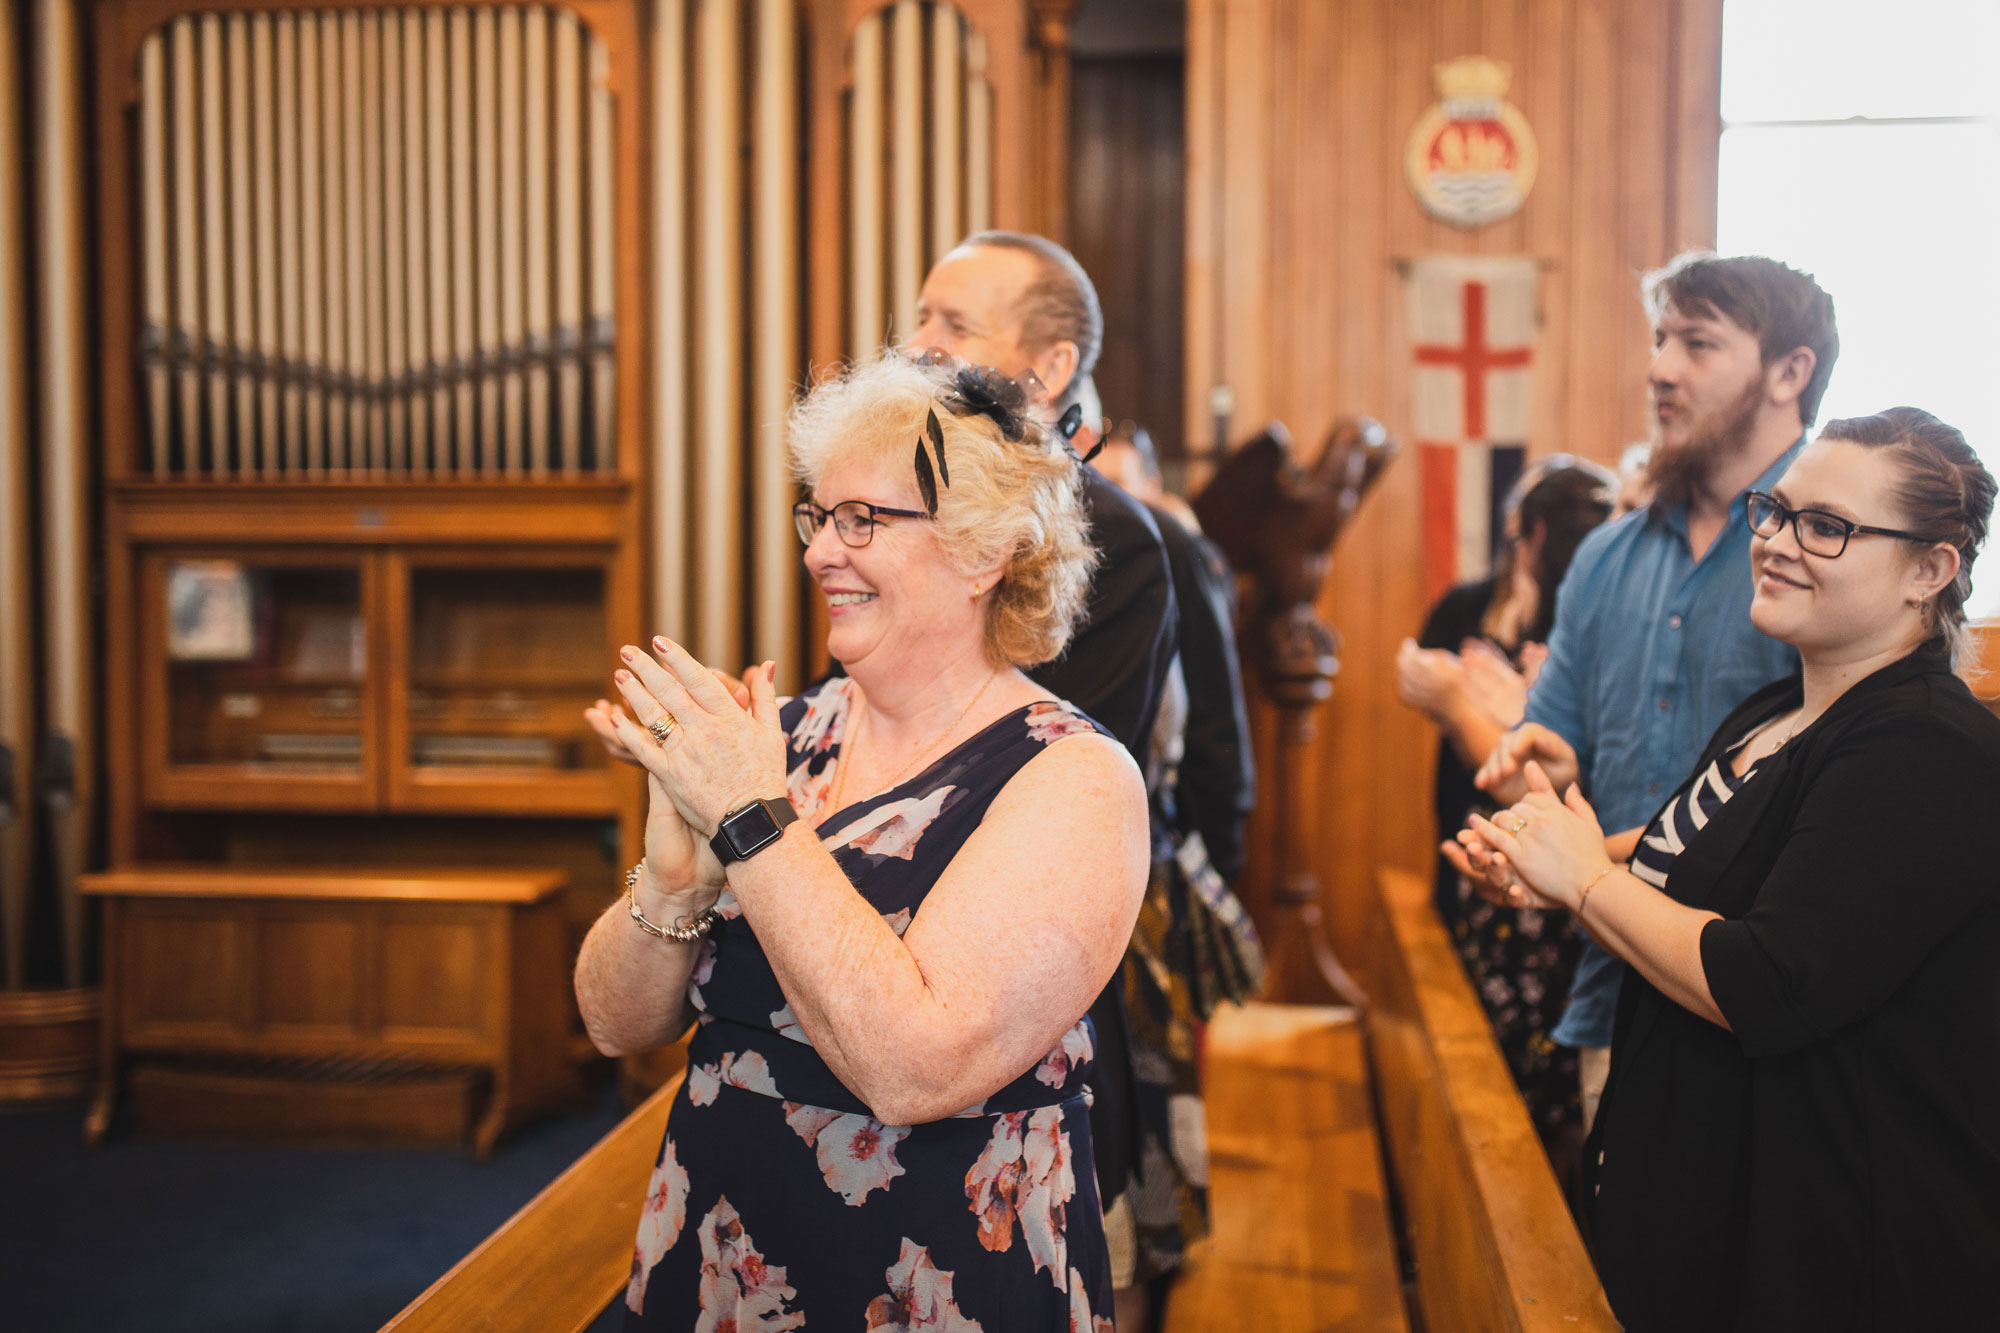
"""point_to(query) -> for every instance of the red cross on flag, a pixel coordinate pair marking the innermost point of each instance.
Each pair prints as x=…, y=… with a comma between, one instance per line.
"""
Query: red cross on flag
x=1472, y=349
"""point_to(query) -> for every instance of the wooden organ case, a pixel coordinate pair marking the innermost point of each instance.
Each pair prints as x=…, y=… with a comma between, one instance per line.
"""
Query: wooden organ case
x=373, y=473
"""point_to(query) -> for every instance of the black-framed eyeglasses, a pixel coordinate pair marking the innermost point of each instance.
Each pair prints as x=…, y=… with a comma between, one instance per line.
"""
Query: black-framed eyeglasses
x=1819, y=533
x=854, y=521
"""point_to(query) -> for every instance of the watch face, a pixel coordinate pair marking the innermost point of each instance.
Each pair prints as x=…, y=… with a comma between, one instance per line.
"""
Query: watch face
x=749, y=829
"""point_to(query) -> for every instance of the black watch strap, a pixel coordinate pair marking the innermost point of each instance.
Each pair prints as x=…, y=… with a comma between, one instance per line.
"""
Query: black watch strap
x=747, y=831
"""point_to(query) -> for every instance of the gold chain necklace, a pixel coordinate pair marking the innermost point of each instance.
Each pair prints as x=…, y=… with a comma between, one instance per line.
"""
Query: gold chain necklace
x=847, y=748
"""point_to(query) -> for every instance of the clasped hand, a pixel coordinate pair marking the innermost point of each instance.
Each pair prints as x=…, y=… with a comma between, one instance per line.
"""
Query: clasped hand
x=1539, y=852
x=725, y=749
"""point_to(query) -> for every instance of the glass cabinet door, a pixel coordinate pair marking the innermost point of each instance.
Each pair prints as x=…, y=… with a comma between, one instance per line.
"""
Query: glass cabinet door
x=261, y=663
x=500, y=660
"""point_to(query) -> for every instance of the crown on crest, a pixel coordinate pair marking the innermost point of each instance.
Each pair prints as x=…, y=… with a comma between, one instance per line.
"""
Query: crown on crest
x=1472, y=78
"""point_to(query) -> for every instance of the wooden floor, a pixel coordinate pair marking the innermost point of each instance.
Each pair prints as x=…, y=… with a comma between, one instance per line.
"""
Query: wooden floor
x=1302, y=1238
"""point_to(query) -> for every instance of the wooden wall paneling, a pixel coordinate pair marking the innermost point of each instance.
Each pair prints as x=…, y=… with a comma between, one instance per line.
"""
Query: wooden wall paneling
x=1050, y=132
x=1548, y=102
x=1695, y=56
x=1297, y=218
x=1202, y=277
x=1127, y=197
x=19, y=682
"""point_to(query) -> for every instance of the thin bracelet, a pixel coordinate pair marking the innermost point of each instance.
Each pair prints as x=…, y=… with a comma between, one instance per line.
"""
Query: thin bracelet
x=1584, y=897
x=685, y=934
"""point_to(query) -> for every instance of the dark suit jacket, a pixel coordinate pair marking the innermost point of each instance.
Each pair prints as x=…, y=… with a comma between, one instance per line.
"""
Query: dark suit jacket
x=1833, y=1161
x=1116, y=665
x=1218, y=776
x=1114, y=670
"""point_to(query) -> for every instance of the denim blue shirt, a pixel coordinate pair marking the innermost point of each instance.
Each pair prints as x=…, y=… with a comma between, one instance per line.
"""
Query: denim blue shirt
x=1651, y=650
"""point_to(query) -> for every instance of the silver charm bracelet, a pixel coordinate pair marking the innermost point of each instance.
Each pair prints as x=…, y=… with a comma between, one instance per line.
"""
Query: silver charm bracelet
x=684, y=934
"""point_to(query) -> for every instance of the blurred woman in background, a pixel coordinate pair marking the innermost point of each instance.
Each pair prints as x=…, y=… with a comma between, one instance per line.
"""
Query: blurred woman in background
x=1470, y=673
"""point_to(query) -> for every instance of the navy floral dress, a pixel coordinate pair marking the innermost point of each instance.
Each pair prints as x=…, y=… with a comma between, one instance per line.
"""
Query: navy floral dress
x=779, y=1203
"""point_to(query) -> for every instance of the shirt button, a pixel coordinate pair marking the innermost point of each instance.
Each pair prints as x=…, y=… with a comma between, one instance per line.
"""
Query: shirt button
x=1663, y=705
x=1673, y=622
x=1653, y=789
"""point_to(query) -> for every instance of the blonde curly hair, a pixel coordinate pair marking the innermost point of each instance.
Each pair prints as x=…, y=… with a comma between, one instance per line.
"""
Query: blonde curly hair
x=1017, y=504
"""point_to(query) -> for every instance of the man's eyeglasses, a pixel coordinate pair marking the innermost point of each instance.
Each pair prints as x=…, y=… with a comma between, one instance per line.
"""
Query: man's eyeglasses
x=1819, y=533
x=854, y=521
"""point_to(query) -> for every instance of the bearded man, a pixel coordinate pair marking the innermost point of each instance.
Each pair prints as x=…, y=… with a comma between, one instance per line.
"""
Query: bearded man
x=1653, y=645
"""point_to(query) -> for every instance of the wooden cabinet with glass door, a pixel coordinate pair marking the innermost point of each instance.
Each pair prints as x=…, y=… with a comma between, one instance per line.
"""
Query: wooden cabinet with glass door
x=258, y=680
x=493, y=660
x=395, y=680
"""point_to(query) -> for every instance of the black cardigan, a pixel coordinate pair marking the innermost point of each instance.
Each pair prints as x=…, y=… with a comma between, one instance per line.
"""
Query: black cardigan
x=1833, y=1160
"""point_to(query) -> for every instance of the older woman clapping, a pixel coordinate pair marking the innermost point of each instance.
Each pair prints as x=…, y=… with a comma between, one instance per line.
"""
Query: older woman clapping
x=887, y=902
x=1802, y=1124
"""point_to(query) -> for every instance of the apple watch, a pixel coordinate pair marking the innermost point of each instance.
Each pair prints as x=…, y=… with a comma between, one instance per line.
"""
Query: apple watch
x=747, y=831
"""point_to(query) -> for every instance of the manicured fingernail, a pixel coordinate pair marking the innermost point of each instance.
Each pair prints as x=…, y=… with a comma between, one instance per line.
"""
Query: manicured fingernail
x=622, y=675
x=661, y=643
x=627, y=653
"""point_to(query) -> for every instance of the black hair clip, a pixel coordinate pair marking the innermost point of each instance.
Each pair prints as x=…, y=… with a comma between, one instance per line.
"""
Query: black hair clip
x=984, y=391
x=927, y=482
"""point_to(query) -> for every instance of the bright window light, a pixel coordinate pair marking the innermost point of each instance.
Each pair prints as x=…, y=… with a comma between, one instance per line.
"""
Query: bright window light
x=1861, y=143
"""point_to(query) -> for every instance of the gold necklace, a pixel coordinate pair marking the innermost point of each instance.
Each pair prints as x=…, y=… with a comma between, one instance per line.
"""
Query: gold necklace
x=848, y=746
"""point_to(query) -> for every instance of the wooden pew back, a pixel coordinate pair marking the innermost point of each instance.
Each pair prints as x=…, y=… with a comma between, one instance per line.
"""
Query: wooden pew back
x=557, y=1263
x=1495, y=1247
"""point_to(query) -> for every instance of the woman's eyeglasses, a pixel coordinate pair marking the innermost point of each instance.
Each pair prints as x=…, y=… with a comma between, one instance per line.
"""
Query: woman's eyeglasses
x=854, y=521
x=1819, y=533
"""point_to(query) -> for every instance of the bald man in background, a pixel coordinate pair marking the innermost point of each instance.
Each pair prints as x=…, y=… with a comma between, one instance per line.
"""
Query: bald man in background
x=1021, y=303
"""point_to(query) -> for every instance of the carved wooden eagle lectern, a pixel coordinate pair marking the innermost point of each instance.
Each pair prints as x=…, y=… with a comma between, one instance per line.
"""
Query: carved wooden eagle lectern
x=1277, y=520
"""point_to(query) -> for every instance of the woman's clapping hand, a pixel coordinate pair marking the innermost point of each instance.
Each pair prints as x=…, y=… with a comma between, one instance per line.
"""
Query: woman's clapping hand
x=603, y=717
x=1539, y=852
x=718, y=755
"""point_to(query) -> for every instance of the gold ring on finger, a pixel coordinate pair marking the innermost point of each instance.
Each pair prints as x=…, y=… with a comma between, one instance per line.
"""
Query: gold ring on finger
x=663, y=727
x=1520, y=822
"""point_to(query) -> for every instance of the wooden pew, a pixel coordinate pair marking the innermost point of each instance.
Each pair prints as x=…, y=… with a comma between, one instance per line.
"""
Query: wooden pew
x=1302, y=1237
x=1302, y=1104
x=1493, y=1241
x=555, y=1265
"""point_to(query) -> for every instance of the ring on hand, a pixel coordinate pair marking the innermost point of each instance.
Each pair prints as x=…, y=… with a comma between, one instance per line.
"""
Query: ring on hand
x=663, y=727
x=1520, y=822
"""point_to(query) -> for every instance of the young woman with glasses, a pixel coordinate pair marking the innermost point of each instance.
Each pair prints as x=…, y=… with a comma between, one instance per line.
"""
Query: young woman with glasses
x=886, y=904
x=1802, y=1124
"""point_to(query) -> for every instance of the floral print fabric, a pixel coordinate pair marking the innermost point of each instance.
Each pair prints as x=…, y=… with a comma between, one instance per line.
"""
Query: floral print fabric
x=779, y=1202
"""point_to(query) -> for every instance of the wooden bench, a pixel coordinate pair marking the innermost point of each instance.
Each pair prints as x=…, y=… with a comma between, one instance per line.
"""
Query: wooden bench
x=1301, y=1236
x=334, y=1002
x=1302, y=1103
x=1493, y=1241
x=554, y=1266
